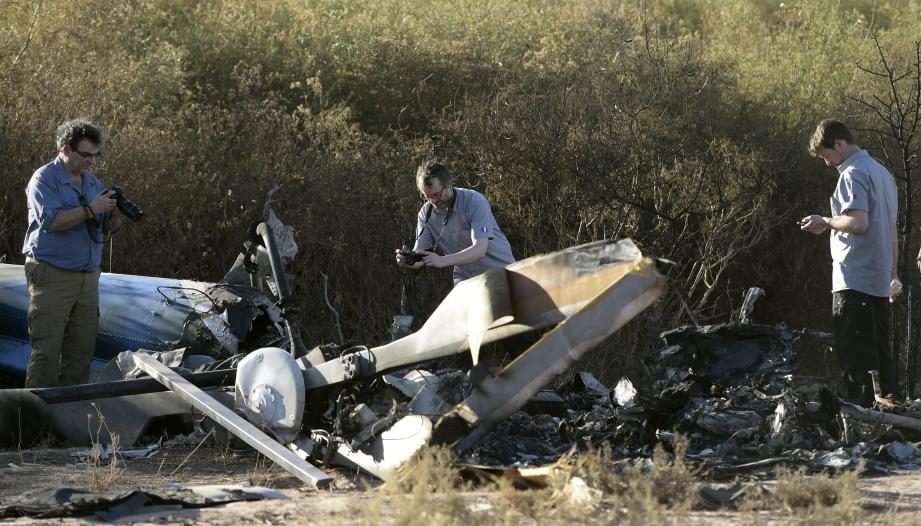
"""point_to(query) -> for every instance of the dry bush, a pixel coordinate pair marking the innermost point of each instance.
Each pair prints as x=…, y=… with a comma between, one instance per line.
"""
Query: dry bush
x=580, y=121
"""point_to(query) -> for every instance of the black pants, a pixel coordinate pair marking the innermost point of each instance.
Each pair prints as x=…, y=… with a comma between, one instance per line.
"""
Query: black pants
x=861, y=327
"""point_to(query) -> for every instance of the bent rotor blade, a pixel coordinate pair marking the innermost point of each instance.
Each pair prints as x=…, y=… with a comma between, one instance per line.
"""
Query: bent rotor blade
x=496, y=397
x=532, y=294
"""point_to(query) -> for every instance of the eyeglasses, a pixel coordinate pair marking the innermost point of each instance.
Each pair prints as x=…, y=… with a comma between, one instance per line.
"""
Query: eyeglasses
x=432, y=197
x=89, y=155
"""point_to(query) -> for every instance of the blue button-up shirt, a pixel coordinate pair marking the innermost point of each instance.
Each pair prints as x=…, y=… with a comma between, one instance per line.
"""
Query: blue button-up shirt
x=50, y=191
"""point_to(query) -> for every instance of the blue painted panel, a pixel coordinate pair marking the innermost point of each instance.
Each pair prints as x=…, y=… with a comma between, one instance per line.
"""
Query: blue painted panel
x=132, y=315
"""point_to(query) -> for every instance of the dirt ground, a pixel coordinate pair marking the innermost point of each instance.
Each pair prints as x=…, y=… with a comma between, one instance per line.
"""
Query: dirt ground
x=894, y=499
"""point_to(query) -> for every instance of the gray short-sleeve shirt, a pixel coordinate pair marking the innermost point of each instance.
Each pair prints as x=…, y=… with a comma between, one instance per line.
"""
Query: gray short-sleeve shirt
x=863, y=262
x=470, y=218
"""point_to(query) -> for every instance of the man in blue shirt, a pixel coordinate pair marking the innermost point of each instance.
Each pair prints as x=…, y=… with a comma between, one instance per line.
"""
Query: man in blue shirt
x=864, y=251
x=70, y=215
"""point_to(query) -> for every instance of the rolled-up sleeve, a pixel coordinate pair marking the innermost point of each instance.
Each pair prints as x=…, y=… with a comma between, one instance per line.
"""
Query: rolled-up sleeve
x=44, y=200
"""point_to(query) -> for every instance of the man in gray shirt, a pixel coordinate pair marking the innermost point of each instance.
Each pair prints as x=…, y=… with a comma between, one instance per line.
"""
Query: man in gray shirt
x=864, y=251
x=457, y=222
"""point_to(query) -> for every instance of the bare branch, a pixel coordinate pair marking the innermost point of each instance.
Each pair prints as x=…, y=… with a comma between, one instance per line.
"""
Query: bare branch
x=25, y=46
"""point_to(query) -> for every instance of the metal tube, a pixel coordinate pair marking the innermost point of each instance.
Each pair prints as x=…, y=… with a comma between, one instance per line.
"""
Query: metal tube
x=879, y=417
x=73, y=393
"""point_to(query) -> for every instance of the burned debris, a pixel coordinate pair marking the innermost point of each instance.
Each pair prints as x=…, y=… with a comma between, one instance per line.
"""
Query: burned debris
x=229, y=355
x=238, y=340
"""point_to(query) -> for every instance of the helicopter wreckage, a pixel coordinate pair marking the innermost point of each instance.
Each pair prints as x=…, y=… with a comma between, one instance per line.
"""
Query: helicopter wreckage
x=231, y=351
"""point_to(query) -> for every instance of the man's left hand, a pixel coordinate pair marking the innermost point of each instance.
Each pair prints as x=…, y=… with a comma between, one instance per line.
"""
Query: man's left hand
x=118, y=219
x=895, y=288
x=432, y=259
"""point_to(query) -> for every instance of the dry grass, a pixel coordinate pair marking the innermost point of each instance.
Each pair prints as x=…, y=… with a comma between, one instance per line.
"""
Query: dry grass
x=589, y=488
x=596, y=488
x=103, y=474
x=810, y=499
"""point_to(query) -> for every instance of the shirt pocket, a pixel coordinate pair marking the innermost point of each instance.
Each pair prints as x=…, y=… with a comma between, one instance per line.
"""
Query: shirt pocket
x=462, y=235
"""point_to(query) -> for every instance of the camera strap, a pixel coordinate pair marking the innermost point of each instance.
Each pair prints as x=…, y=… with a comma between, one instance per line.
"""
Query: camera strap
x=427, y=210
x=92, y=223
x=448, y=213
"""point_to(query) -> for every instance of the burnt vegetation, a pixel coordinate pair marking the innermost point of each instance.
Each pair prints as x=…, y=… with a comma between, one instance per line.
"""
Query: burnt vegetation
x=680, y=124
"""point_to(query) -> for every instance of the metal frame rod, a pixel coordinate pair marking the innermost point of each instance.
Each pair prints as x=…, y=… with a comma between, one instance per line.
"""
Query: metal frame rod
x=96, y=391
x=240, y=428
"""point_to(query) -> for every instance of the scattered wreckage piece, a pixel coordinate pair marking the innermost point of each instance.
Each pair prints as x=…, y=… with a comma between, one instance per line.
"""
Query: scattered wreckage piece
x=117, y=505
x=241, y=428
x=393, y=446
x=532, y=294
x=134, y=312
x=879, y=417
x=25, y=417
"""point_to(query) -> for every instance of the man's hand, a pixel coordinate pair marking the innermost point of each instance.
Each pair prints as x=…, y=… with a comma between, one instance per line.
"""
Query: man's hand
x=118, y=220
x=401, y=260
x=895, y=289
x=103, y=202
x=814, y=224
x=431, y=259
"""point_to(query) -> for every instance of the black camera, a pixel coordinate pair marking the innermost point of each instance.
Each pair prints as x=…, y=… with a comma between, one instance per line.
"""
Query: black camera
x=410, y=257
x=125, y=205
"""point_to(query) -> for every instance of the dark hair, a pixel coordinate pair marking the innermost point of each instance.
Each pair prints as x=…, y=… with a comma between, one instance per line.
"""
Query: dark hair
x=826, y=133
x=431, y=170
x=71, y=132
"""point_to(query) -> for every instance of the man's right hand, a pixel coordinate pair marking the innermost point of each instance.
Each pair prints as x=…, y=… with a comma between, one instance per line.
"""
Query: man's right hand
x=401, y=260
x=814, y=224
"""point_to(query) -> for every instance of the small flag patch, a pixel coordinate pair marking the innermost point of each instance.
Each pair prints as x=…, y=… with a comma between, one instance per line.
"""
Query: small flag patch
x=483, y=229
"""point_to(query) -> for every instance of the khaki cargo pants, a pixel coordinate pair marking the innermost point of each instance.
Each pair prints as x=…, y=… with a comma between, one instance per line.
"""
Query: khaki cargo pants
x=63, y=321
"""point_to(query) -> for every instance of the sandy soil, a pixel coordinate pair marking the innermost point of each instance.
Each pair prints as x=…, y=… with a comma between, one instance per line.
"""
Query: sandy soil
x=894, y=499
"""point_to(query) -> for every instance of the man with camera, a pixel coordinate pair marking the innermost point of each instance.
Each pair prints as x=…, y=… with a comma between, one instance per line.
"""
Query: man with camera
x=457, y=222
x=71, y=213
